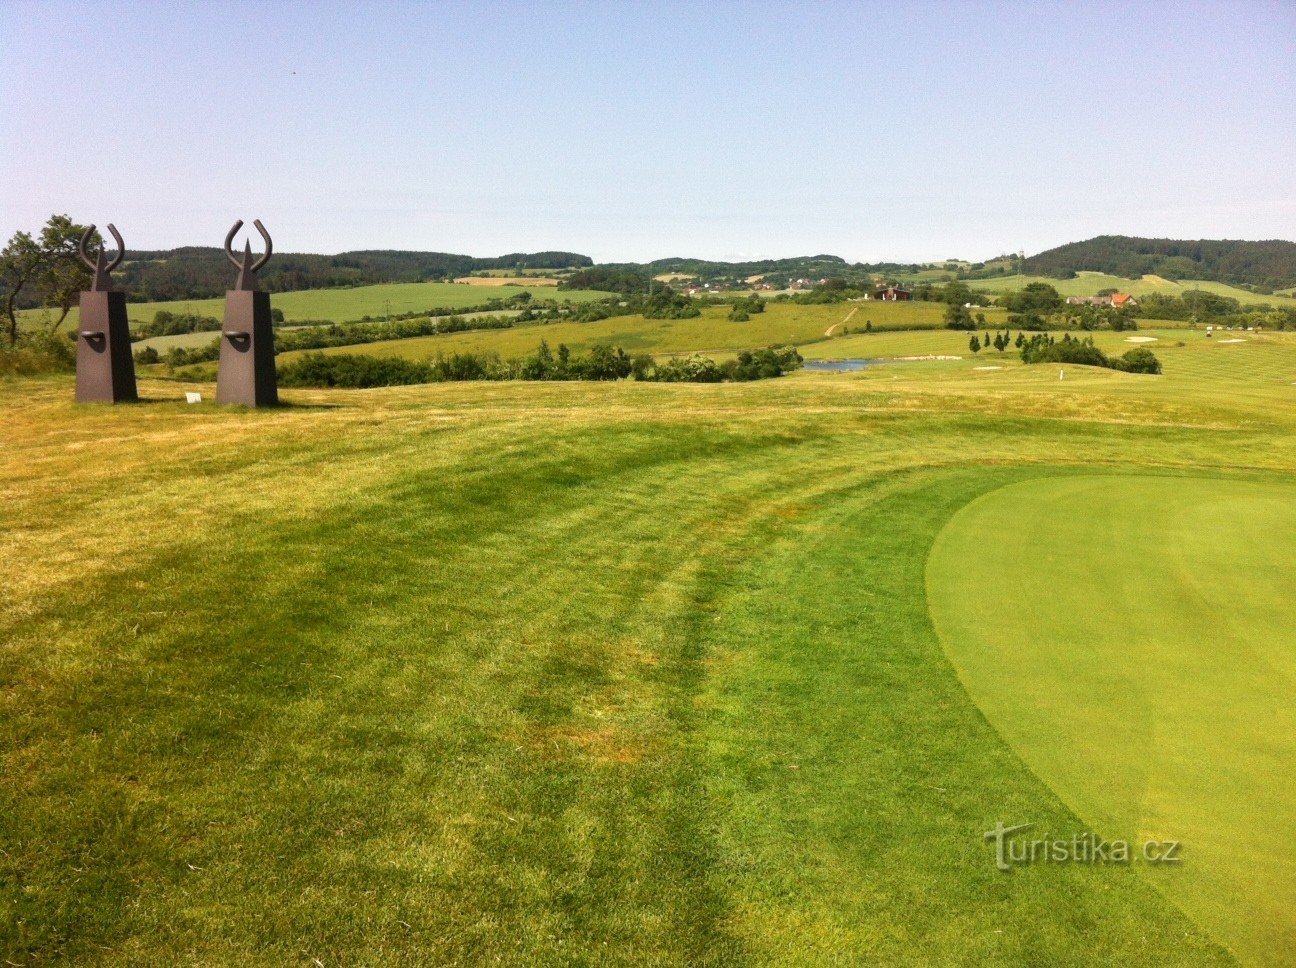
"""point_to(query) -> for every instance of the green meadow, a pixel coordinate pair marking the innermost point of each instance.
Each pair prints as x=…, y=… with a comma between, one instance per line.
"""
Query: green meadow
x=637, y=673
x=340, y=305
x=1090, y=283
x=713, y=331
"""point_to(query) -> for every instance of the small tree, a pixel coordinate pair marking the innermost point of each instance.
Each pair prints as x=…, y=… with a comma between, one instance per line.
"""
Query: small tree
x=974, y=344
x=63, y=275
x=20, y=261
x=47, y=268
x=958, y=317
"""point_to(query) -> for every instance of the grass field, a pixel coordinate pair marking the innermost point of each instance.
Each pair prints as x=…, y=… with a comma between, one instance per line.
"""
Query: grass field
x=1089, y=283
x=340, y=305
x=190, y=340
x=1104, y=668
x=509, y=280
x=637, y=673
x=783, y=323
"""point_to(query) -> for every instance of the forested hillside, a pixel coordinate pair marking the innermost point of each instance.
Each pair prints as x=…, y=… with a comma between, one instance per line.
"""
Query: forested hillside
x=1264, y=266
x=201, y=273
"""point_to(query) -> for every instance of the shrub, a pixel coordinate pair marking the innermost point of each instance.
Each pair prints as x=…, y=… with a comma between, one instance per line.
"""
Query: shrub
x=1044, y=349
x=1141, y=360
x=171, y=324
x=352, y=370
x=749, y=365
x=38, y=352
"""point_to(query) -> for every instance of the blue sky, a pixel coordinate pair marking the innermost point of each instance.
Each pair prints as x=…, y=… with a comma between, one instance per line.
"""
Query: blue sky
x=632, y=131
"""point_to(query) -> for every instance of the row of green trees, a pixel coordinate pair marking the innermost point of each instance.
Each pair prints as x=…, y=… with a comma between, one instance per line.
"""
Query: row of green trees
x=748, y=365
x=1001, y=341
x=600, y=364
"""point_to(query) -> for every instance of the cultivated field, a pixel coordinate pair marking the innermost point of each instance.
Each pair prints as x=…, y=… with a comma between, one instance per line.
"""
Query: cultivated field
x=639, y=673
x=340, y=305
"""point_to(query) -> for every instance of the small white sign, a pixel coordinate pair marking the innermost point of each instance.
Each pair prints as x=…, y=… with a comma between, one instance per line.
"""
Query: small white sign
x=193, y=397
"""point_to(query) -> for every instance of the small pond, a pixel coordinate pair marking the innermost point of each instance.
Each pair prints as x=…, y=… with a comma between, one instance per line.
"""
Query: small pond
x=839, y=366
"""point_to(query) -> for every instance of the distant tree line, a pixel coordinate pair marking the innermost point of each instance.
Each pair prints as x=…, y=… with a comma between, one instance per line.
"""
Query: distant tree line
x=608, y=279
x=195, y=272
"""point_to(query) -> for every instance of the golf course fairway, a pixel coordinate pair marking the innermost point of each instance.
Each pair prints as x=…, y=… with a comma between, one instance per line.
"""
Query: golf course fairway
x=1133, y=638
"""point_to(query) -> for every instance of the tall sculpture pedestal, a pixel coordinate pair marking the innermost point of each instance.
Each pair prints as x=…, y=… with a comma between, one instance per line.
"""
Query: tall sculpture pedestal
x=105, y=367
x=247, y=359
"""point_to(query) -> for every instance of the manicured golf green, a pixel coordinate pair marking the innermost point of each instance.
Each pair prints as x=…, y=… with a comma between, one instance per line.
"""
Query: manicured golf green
x=1133, y=638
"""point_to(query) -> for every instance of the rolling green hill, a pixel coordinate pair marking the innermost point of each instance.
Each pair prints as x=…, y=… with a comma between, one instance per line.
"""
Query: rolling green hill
x=1271, y=264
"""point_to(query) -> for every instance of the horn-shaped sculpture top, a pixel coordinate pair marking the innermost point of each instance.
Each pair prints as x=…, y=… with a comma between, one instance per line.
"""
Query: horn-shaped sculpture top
x=99, y=265
x=247, y=277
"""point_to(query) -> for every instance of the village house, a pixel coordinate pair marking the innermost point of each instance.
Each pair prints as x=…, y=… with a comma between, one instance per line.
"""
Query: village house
x=894, y=294
x=1117, y=300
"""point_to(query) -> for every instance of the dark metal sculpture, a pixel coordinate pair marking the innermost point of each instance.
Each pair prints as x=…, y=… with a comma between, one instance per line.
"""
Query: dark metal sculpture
x=105, y=367
x=247, y=359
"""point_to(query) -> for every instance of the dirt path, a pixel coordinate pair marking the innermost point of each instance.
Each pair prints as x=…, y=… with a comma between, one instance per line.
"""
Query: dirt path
x=842, y=322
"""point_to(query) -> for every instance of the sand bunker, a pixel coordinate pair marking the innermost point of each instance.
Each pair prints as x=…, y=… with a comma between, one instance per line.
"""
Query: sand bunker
x=1140, y=339
x=987, y=367
x=1232, y=341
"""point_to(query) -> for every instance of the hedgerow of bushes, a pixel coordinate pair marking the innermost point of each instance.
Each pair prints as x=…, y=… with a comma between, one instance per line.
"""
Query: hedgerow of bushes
x=1042, y=348
x=600, y=363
